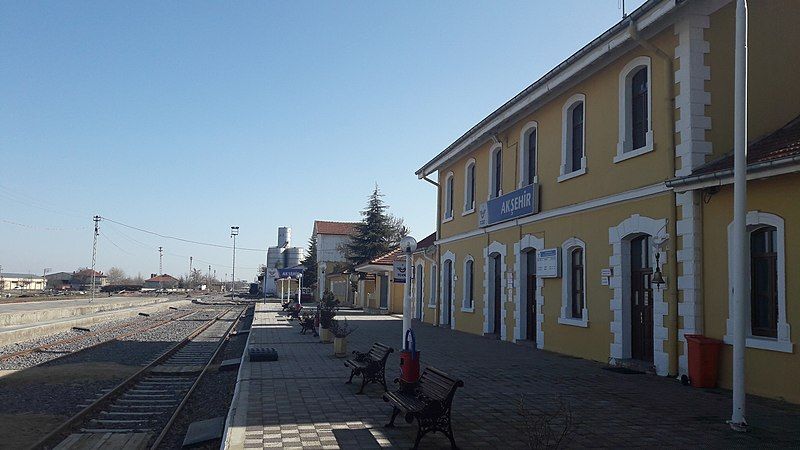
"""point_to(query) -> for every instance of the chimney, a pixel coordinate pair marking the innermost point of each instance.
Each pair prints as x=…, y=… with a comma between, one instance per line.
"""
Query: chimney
x=152, y=275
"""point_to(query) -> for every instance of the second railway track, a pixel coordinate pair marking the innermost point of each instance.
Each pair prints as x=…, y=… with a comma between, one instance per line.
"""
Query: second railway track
x=138, y=412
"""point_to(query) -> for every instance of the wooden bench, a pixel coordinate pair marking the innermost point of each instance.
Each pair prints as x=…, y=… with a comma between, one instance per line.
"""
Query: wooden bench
x=371, y=365
x=429, y=402
x=308, y=323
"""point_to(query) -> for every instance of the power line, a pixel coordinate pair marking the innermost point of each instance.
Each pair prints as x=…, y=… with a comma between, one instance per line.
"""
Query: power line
x=190, y=241
x=40, y=228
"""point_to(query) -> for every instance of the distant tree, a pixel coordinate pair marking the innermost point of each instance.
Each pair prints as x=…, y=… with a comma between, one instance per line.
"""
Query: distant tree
x=138, y=279
x=399, y=230
x=310, y=263
x=115, y=275
x=196, y=278
x=373, y=235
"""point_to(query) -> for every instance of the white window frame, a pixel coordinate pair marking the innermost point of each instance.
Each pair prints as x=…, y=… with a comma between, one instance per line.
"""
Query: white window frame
x=449, y=207
x=624, y=146
x=566, y=285
x=468, y=306
x=566, y=141
x=783, y=343
x=524, y=137
x=469, y=209
x=432, y=280
x=492, y=159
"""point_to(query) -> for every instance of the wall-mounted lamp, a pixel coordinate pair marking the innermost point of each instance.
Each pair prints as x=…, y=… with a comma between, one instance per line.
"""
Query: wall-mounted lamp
x=658, y=277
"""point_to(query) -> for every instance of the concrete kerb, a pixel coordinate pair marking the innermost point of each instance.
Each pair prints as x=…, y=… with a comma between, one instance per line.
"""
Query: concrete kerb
x=234, y=434
x=22, y=332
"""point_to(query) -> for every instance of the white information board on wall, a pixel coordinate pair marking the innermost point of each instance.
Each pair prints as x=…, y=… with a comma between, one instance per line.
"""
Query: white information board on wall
x=548, y=263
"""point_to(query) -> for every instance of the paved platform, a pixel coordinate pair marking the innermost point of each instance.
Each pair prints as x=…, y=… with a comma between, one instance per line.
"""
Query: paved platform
x=301, y=399
x=23, y=321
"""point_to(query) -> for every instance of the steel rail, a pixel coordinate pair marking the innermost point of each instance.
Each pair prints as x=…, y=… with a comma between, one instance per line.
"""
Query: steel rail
x=82, y=414
x=188, y=394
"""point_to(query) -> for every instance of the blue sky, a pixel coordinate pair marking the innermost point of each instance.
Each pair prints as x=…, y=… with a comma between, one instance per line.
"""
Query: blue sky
x=188, y=117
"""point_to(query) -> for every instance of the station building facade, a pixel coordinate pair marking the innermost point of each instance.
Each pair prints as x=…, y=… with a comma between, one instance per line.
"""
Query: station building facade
x=558, y=212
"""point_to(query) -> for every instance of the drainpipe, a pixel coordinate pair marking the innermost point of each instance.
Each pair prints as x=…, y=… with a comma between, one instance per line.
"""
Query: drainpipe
x=438, y=248
x=672, y=229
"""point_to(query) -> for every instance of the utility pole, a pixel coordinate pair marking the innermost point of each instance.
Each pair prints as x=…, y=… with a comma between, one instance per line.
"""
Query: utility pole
x=189, y=278
x=44, y=276
x=234, y=233
x=2, y=281
x=160, y=267
x=741, y=244
x=94, y=250
x=208, y=279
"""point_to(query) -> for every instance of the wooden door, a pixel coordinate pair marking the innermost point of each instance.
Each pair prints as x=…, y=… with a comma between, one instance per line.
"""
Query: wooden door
x=384, y=295
x=498, y=289
x=530, y=299
x=641, y=300
x=447, y=302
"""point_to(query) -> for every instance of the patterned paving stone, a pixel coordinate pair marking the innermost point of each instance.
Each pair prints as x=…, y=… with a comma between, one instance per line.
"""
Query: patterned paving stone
x=301, y=399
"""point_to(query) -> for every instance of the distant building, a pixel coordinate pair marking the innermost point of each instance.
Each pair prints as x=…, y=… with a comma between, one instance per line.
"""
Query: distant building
x=21, y=281
x=82, y=280
x=384, y=293
x=162, y=281
x=331, y=238
x=280, y=257
x=59, y=281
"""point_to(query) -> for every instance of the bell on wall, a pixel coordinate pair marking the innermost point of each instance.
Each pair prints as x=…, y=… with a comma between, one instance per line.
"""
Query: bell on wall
x=658, y=277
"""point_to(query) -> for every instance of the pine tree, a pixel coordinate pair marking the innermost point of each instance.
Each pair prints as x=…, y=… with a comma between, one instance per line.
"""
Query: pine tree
x=310, y=263
x=373, y=235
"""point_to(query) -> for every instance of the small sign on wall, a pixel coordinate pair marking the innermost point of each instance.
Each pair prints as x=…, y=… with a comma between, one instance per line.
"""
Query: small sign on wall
x=605, y=276
x=548, y=263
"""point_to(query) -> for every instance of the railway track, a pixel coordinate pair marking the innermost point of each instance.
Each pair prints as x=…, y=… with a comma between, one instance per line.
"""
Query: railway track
x=120, y=331
x=138, y=413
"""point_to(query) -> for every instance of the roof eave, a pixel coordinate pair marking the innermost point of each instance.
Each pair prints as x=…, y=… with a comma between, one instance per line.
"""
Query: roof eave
x=647, y=14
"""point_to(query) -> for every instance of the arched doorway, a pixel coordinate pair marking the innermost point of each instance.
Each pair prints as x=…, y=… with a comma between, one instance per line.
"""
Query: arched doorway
x=641, y=298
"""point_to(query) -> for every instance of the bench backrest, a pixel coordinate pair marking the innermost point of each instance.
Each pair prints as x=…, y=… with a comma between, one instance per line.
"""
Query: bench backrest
x=438, y=385
x=379, y=352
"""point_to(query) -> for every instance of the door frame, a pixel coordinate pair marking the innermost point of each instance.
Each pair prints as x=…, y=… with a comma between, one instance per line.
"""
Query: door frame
x=527, y=243
x=488, y=313
x=620, y=238
x=448, y=256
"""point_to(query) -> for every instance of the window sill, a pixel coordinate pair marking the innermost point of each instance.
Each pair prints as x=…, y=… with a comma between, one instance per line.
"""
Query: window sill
x=468, y=310
x=522, y=185
x=447, y=219
x=632, y=153
x=583, y=323
x=762, y=343
x=467, y=212
x=571, y=175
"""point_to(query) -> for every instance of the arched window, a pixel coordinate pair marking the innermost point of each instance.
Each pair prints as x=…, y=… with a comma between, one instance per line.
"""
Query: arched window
x=448, y=196
x=764, y=282
x=469, y=187
x=528, y=155
x=468, y=303
x=635, y=121
x=573, y=303
x=496, y=172
x=573, y=147
x=432, y=287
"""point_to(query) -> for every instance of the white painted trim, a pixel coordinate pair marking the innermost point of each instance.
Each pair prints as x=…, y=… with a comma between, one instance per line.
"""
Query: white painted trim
x=565, y=318
x=634, y=194
x=784, y=341
x=449, y=206
x=468, y=209
x=498, y=147
x=480, y=135
x=448, y=256
x=624, y=143
x=432, y=279
x=566, y=125
x=571, y=175
x=619, y=237
x=527, y=243
x=522, y=149
x=690, y=261
x=419, y=290
x=465, y=288
x=501, y=249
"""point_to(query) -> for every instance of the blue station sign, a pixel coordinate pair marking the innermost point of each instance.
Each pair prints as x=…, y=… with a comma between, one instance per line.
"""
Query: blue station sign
x=293, y=272
x=520, y=203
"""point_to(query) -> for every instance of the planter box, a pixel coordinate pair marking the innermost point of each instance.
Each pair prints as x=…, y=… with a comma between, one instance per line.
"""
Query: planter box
x=340, y=347
x=325, y=335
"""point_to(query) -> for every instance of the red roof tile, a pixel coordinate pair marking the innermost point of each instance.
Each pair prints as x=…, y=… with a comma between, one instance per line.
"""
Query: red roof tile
x=426, y=242
x=337, y=228
x=162, y=278
x=783, y=143
x=389, y=258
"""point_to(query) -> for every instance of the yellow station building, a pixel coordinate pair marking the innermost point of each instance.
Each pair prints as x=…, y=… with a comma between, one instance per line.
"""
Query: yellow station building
x=558, y=211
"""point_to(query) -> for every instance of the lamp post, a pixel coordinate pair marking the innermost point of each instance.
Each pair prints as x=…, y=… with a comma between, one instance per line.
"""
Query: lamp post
x=299, y=289
x=408, y=244
x=234, y=233
x=321, y=280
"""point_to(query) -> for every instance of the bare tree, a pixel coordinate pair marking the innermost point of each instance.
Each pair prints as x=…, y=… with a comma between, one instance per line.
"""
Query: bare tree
x=115, y=275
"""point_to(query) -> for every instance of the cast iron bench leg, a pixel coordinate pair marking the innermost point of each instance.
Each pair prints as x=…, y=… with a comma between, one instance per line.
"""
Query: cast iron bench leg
x=395, y=412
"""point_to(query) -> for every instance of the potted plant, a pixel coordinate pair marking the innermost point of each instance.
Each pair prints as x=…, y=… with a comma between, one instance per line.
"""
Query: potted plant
x=326, y=311
x=340, y=329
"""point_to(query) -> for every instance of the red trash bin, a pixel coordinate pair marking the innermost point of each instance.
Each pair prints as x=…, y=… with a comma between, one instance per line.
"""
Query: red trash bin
x=703, y=360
